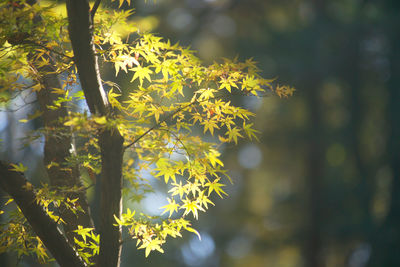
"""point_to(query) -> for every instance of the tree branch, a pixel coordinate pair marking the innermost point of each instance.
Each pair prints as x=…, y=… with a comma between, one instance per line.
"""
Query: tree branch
x=94, y=8
x=46, y=229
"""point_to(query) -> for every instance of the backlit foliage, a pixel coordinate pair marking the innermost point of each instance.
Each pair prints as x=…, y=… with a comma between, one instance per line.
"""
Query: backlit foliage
x=173, y=114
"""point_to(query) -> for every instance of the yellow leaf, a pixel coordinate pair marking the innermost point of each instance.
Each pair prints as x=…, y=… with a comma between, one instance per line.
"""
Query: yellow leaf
x=100, y=120
x=9, y=201
x=215, y=186
x=18, y=168
x=141, y=73
x=37, y=87
x=171, y=207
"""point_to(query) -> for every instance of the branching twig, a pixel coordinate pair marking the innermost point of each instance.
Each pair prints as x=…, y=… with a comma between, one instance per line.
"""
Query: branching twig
x=159, y=124
x=155, y=126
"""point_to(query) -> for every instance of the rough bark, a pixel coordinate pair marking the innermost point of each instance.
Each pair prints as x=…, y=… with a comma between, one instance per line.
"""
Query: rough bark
x=110, y=141
x=46, y=229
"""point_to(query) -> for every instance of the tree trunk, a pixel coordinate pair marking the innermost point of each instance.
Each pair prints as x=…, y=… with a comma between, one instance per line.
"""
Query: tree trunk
x=111, y=200
x=110, y=141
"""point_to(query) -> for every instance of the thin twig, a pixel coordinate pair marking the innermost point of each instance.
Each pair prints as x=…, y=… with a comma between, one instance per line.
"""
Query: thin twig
x=94, y=8
x=159, y=124
x=47, y=48
x=183, y=108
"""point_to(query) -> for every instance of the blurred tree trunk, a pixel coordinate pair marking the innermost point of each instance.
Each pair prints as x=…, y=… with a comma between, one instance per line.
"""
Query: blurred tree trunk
x=313, y=179
x=386, y=243
x=315, y=144
x=349, y=69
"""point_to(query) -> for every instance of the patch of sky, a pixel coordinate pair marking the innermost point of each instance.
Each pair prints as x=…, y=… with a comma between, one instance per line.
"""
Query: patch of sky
x=153, y=201
x=3, y=121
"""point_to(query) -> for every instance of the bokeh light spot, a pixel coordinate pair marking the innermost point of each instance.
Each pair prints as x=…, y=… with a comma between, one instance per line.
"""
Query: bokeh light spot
x=250, y=156
x=197, y=252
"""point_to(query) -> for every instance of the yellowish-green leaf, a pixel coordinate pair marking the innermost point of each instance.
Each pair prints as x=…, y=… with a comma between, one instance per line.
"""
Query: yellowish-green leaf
x=233, y=134
x=18, y=168
x=212, y=156
x=178, y=189
x=204, y=200
x=35, y=115
x=100, y=120
x=190, y=229
x=215, y=186
x=191, y=206
x=9, y=201
x=250, y=132
x=210, y=125
x=171, y=207
x=141, y=73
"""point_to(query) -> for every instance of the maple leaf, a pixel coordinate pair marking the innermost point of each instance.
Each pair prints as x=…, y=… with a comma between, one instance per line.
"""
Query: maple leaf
x=171, y=207
x=141, y=73
x=154, y=244
x=165, y=168
x=212, y=156
x=178, y=189
x=191, y=206
x=250, y=131
x=210, y=125
x=204, y=200
x=215, y=186
x=227, y=84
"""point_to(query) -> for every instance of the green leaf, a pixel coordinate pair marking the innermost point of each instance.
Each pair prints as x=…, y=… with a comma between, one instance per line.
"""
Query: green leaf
x=233, y=134
x=250, y=132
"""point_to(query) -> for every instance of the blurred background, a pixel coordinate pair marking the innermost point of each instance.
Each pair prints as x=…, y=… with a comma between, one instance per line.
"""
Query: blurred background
x=322, y=187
